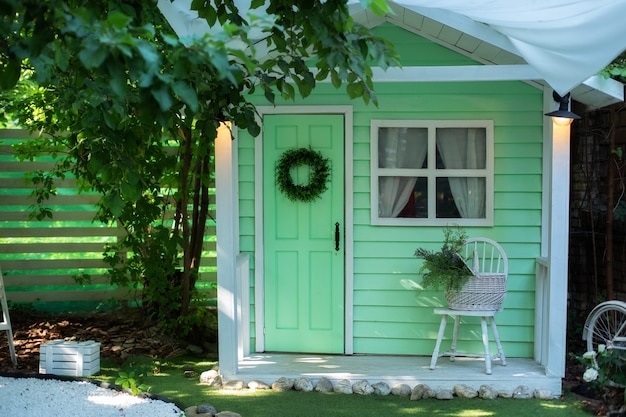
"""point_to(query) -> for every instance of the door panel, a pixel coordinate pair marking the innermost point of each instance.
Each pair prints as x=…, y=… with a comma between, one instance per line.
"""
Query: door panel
x=304, y=274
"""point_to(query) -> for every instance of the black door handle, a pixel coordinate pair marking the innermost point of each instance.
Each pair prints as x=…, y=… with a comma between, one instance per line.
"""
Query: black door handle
x=337, y=236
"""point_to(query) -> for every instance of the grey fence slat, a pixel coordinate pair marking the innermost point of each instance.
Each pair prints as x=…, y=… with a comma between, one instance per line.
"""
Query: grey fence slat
x=66, y=248
x=16, y=134
x=26, y=166
x=65, y=296
x=32, y=248
x=56, y=296
x=57, y=200
x=20, y=183
x=60, y=232
x=47, y=232
x=39, y=280
x=58, y=216
x=68, y=279
x=54, y=264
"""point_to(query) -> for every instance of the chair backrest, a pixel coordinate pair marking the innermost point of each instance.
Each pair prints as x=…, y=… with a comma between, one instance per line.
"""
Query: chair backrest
x=485, y=256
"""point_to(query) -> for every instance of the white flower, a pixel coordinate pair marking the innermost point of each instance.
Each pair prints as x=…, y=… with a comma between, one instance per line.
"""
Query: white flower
x=590, y=375
x=601, y=348
x=589, y=355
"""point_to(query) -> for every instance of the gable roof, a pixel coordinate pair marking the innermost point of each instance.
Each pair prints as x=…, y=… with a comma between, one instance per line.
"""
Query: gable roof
x=516, y=37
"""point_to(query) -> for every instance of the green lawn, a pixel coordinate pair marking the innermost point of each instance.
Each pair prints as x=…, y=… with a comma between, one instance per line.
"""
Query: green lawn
x=167, y=378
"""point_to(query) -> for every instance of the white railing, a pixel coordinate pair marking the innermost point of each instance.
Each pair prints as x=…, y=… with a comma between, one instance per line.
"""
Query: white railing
x=542, y=300
x=242, y=311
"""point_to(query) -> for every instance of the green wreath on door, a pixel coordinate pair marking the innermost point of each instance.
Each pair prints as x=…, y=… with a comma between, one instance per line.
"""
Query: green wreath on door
x=318, y=179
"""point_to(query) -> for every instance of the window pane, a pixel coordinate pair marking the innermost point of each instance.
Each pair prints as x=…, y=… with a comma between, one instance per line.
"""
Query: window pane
x=446, y=209
x=461, y=197
x=402, y=147
x=420, y=196
x=402, y=197
x=461, y=148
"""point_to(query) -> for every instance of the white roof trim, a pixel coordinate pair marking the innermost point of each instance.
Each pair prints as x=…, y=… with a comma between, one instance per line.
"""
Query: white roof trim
x=458, y=73
x=609, y=86
x=466, y=25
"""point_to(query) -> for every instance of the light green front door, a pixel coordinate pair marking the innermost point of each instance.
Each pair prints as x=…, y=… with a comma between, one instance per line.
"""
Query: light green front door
x=303, y=241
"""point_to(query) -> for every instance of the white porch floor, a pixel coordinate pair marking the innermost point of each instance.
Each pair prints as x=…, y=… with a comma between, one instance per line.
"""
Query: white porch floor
x=393, y=370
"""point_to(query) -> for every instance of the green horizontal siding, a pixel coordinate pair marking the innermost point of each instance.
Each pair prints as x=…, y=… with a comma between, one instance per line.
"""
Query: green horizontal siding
x=513, y=200
x=419, y=51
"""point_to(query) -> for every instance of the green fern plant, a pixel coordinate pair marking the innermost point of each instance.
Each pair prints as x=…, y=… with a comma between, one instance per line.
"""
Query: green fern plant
x=445, y=268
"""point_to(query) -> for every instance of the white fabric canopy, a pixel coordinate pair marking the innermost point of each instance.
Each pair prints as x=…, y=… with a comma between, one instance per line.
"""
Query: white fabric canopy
x=566, y=41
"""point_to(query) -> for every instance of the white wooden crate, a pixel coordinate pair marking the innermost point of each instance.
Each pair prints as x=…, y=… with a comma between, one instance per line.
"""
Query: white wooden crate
x=69, y=358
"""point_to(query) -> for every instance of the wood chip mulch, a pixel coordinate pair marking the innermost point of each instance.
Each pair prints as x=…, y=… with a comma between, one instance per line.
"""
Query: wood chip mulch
x=120, y=333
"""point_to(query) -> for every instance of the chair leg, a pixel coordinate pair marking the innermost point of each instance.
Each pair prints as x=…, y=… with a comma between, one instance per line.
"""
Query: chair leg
x=496, y=336
x=483, y=325
x=442, y=328
x=455, y=338
x=12, y=347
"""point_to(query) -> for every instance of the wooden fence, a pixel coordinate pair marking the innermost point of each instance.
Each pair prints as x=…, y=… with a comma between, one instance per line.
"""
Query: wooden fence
x=40, y=258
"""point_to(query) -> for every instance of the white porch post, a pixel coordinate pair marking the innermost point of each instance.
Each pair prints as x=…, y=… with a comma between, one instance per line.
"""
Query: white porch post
x=227, y=249
x=558, y=149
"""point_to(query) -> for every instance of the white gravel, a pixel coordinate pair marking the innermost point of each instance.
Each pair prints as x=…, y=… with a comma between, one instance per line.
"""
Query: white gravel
x=30, y=397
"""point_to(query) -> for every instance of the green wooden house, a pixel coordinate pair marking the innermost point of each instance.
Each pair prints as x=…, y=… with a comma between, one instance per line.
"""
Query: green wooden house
x=307, y=287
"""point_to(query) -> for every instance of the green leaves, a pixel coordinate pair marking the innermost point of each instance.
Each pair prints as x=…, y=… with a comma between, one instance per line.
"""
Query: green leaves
x=131, y=381
x=187, y=94
x=379, y=7
x=162, y=96
x=445, y=268
x=10, y=69
x=148, y=53
x=118, y=20
x=114, y=203
x=205, y=10
x=616, y=69
x=93, y=54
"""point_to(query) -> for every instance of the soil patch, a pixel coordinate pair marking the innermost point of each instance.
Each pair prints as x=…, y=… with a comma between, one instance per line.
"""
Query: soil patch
x=121, y=333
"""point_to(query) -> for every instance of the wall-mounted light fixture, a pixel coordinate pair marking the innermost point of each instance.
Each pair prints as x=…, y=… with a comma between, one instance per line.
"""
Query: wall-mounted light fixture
x=562, y=116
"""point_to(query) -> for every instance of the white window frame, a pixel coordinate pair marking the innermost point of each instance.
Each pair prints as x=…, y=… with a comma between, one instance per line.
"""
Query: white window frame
x=432, y=172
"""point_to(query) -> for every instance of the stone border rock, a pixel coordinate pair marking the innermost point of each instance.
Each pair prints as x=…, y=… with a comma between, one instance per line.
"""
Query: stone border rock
x=362, y=387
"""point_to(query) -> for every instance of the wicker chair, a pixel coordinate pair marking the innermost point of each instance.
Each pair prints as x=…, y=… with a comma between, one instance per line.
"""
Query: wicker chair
x=490, y=266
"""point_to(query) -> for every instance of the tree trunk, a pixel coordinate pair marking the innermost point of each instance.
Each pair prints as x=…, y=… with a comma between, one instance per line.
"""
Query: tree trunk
x=186, y=159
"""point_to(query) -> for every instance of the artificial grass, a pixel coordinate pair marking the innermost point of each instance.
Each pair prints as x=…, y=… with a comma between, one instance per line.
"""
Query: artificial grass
x=166, y=378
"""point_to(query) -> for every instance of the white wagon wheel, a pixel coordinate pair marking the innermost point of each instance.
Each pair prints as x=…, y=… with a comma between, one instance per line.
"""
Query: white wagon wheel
x=606, y=325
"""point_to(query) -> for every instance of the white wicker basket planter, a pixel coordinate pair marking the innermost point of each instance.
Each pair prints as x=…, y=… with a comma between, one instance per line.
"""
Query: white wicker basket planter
x=69, y=358
x=481, y=292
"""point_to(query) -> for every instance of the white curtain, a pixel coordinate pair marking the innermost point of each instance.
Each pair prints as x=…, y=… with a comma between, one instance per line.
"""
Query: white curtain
x=398, y=148
x=465, y=148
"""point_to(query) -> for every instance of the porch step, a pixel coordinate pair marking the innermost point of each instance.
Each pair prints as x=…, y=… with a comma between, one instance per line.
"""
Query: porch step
x=393, y=370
